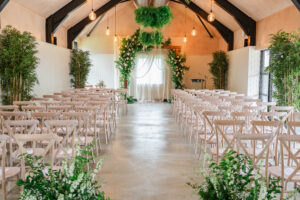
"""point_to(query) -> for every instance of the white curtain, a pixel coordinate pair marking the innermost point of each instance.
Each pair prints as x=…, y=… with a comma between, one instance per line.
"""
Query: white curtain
x=150, y=79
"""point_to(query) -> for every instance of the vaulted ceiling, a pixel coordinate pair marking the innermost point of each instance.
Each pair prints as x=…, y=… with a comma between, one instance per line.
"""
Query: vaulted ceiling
x=256, y=9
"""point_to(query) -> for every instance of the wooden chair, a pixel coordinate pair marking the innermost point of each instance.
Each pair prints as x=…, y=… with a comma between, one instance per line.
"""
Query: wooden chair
x=67, y=131
x=18, y=127
x=7, y=173
x=289, y=172
x=225, y=132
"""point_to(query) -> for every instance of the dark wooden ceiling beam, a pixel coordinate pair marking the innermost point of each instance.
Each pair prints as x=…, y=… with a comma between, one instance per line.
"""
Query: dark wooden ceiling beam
x=226, y=33
x=3, y=4
x=77, y=28
x=297, y=3
x=55, y=20
x=246, y=23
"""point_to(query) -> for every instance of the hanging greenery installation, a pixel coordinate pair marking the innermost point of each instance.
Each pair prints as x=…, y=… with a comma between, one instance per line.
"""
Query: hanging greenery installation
x=18, y=63
x=176, y=60
x=219, y=68
x=154, y=18
x=285, y=67
x=79, y=67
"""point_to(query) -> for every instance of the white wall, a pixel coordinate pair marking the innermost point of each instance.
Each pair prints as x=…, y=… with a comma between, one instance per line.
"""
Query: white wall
x=243, y=72
x=102, y=69
x=53, y=69
x=199, y=69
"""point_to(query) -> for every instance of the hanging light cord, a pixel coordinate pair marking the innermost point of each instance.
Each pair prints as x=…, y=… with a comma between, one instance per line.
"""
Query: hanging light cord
x=115, y=20
x=211, y=6
x=185, y=20
x=92, y=5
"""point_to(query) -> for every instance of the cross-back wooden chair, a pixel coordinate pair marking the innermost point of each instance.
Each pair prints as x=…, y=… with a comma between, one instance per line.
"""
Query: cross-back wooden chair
x=209, y=137
x=225, y=132
x=8, y=173
x=260, y=143
x=287, y=109
x=289, y=172
x=247, y=117
x=28, y=127
x=82, y=128
x=66, y=132
x=17, y=115
x=34, y=144
x=42, y=117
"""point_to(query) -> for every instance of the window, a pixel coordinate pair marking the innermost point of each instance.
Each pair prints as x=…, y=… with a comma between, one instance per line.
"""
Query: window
x=265, y=86
x=149, y=70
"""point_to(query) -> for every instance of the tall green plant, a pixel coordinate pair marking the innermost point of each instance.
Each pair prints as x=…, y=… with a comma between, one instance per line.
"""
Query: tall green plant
x=285, y=67
x=79, y=67
x=219, y=68
x=18, y=63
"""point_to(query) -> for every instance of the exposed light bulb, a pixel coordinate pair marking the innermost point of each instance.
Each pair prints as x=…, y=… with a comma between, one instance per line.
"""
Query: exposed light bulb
x=211, y=17
x=194, y=32
x=115, y=38
x=92, y=15
x=107, y=32
x=185, y=39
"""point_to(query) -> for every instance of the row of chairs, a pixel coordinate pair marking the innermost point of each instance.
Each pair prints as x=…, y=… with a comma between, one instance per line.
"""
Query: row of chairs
x=51, y=126
x=216, y=121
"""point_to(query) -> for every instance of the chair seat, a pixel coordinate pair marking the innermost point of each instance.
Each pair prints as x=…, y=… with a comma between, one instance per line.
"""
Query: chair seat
x=62, y=154
x=10, y=172
x=35, y=151
x=276, y=171
x=82, y=140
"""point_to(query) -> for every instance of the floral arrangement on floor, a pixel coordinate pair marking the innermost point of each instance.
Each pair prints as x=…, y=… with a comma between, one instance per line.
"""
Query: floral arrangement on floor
x=73, y=182
x=155, y=18
x=235, y=178
x=101, y=84
x=177, y=64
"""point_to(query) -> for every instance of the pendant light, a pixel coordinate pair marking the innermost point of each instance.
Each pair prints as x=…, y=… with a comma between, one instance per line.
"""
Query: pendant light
x=211, y=17
x=194, y=32
x=92, y=15
x=107, y=32
x=115, y=37
x=185, y=38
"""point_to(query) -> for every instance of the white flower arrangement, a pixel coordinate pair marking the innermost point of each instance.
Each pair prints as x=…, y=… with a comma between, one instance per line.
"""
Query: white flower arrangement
x=74, y=182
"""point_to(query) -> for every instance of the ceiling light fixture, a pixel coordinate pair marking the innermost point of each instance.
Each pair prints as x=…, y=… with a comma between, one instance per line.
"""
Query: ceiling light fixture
x=115, y=38
x=194, y=32
x=211, y=17
x=92, y=15
x=107, y=32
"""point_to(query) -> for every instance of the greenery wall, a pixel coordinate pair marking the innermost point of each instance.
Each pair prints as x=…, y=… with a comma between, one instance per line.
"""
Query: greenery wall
x=219, y=68
x=285, y=67
x=18, y=63
x=79, y=67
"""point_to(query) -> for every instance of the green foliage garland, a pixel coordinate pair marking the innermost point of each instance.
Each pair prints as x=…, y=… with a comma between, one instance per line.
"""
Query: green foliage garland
x=18, y=63
x=153, y=17
x=177, y=64
x=153, y=38
x=285, y=67
x=219, y=68
x=235, y=178
x=73, y=182
x=79, y=67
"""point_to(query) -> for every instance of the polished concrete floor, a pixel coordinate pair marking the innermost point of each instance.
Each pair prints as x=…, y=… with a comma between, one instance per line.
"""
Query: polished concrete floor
x=148, y=157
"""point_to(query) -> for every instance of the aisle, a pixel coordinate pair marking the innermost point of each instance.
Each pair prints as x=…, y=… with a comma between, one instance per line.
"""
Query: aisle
x=148, y=158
